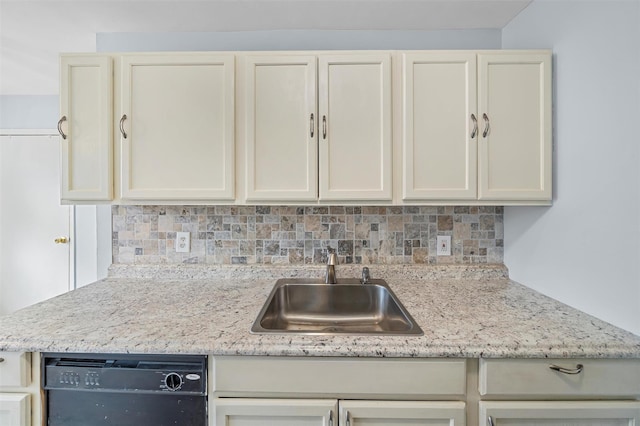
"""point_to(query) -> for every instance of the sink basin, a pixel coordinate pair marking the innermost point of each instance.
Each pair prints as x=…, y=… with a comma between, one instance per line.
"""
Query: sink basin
x=306, y=306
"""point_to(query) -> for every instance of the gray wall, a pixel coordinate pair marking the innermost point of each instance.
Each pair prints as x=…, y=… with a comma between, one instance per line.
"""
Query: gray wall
x=29, y=112
x=585, y=249
x=299, y=40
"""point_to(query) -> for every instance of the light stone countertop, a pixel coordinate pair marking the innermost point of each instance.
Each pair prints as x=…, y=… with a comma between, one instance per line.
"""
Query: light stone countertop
x=464, y=311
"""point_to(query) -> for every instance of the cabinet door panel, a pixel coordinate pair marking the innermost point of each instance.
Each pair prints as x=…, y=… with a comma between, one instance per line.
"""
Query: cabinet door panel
x=86, y=103
x=180, y=127
x=274, y=412
x=355, y=127
x=514, y=91
x=15, y=369
x=401, y=413
x=439, y=154
x=15, y=409
x=281, y=133
x=547, y=413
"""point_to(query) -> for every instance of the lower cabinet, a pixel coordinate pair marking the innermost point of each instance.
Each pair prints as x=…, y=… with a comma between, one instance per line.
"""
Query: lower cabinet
x=15, y=409
x=560, y=413
x=330, y=412
x=274, y=412
x=328, y=391
x=19, y=389
x=559, y=392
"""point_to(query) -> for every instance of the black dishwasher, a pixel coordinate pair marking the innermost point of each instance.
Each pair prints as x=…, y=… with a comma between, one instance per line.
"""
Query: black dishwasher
x=124, y=390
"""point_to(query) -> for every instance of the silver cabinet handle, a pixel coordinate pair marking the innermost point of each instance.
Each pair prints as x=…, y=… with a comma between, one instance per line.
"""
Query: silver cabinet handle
x=576, y=370
x=62, y=120
x=124, y=117
x=474, y=132
x=489, y=421
x=312, y=124
x=487, y=127
x=324, y=127
x=330, y=412
x=348, y=420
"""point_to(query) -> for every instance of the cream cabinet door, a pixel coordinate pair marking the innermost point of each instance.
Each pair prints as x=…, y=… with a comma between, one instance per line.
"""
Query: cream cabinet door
x=177, y=127
x=355, y=127
x=281, y=128
x=15, y=409
x=86, y=123
x=439, y=126
x=275, y=412
x=399, y=413
x=514, y=107
x=570, y=413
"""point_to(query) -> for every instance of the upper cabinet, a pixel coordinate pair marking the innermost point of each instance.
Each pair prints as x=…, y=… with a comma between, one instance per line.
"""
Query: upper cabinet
x=177, y=127
x=471, y=127
x=318, y=127
x=477, y=126
x=280, y=128
x=439, y=150
x=514, y=114
x=85, y=126
x=355, y=127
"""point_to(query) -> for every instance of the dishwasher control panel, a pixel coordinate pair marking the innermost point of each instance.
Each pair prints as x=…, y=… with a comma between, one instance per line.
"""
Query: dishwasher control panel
x=184, y=374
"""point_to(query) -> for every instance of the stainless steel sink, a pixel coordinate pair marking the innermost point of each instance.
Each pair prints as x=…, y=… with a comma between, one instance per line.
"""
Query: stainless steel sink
x=306, y=306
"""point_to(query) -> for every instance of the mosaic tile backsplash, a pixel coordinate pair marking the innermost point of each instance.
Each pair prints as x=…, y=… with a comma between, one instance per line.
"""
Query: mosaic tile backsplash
x=301, y=235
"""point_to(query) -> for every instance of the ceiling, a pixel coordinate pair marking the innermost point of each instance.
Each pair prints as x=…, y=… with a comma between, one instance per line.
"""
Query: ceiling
x=33, y=33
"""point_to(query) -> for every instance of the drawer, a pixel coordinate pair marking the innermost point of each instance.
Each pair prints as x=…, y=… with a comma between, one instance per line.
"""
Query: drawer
x=536, y=379
x=15, y=369
x=370, y=378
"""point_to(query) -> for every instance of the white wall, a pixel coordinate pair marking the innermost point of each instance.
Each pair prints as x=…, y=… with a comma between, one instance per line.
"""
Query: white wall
x=585, y=249
x=92, y=235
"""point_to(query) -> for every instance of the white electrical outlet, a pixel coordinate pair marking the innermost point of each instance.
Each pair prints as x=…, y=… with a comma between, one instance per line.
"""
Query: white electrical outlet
x=444, y=245
x=183, y=242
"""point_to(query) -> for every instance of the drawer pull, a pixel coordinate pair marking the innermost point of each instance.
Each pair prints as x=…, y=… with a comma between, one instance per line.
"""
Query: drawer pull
x=1, y=359
x=576, y=370
x=489, y=421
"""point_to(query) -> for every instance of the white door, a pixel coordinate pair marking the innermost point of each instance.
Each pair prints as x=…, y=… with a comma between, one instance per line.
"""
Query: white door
x=281, y=128
x=514, y=114
x=177, y=133
x=398, y=413
x=439, y=126
x=275, y=412
x=355, y=150
x=560, y=413
x=32, y=266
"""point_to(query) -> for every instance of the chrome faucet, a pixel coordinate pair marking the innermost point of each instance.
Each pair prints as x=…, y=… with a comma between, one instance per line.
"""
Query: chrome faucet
x=332, y=261
x=366, y=277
